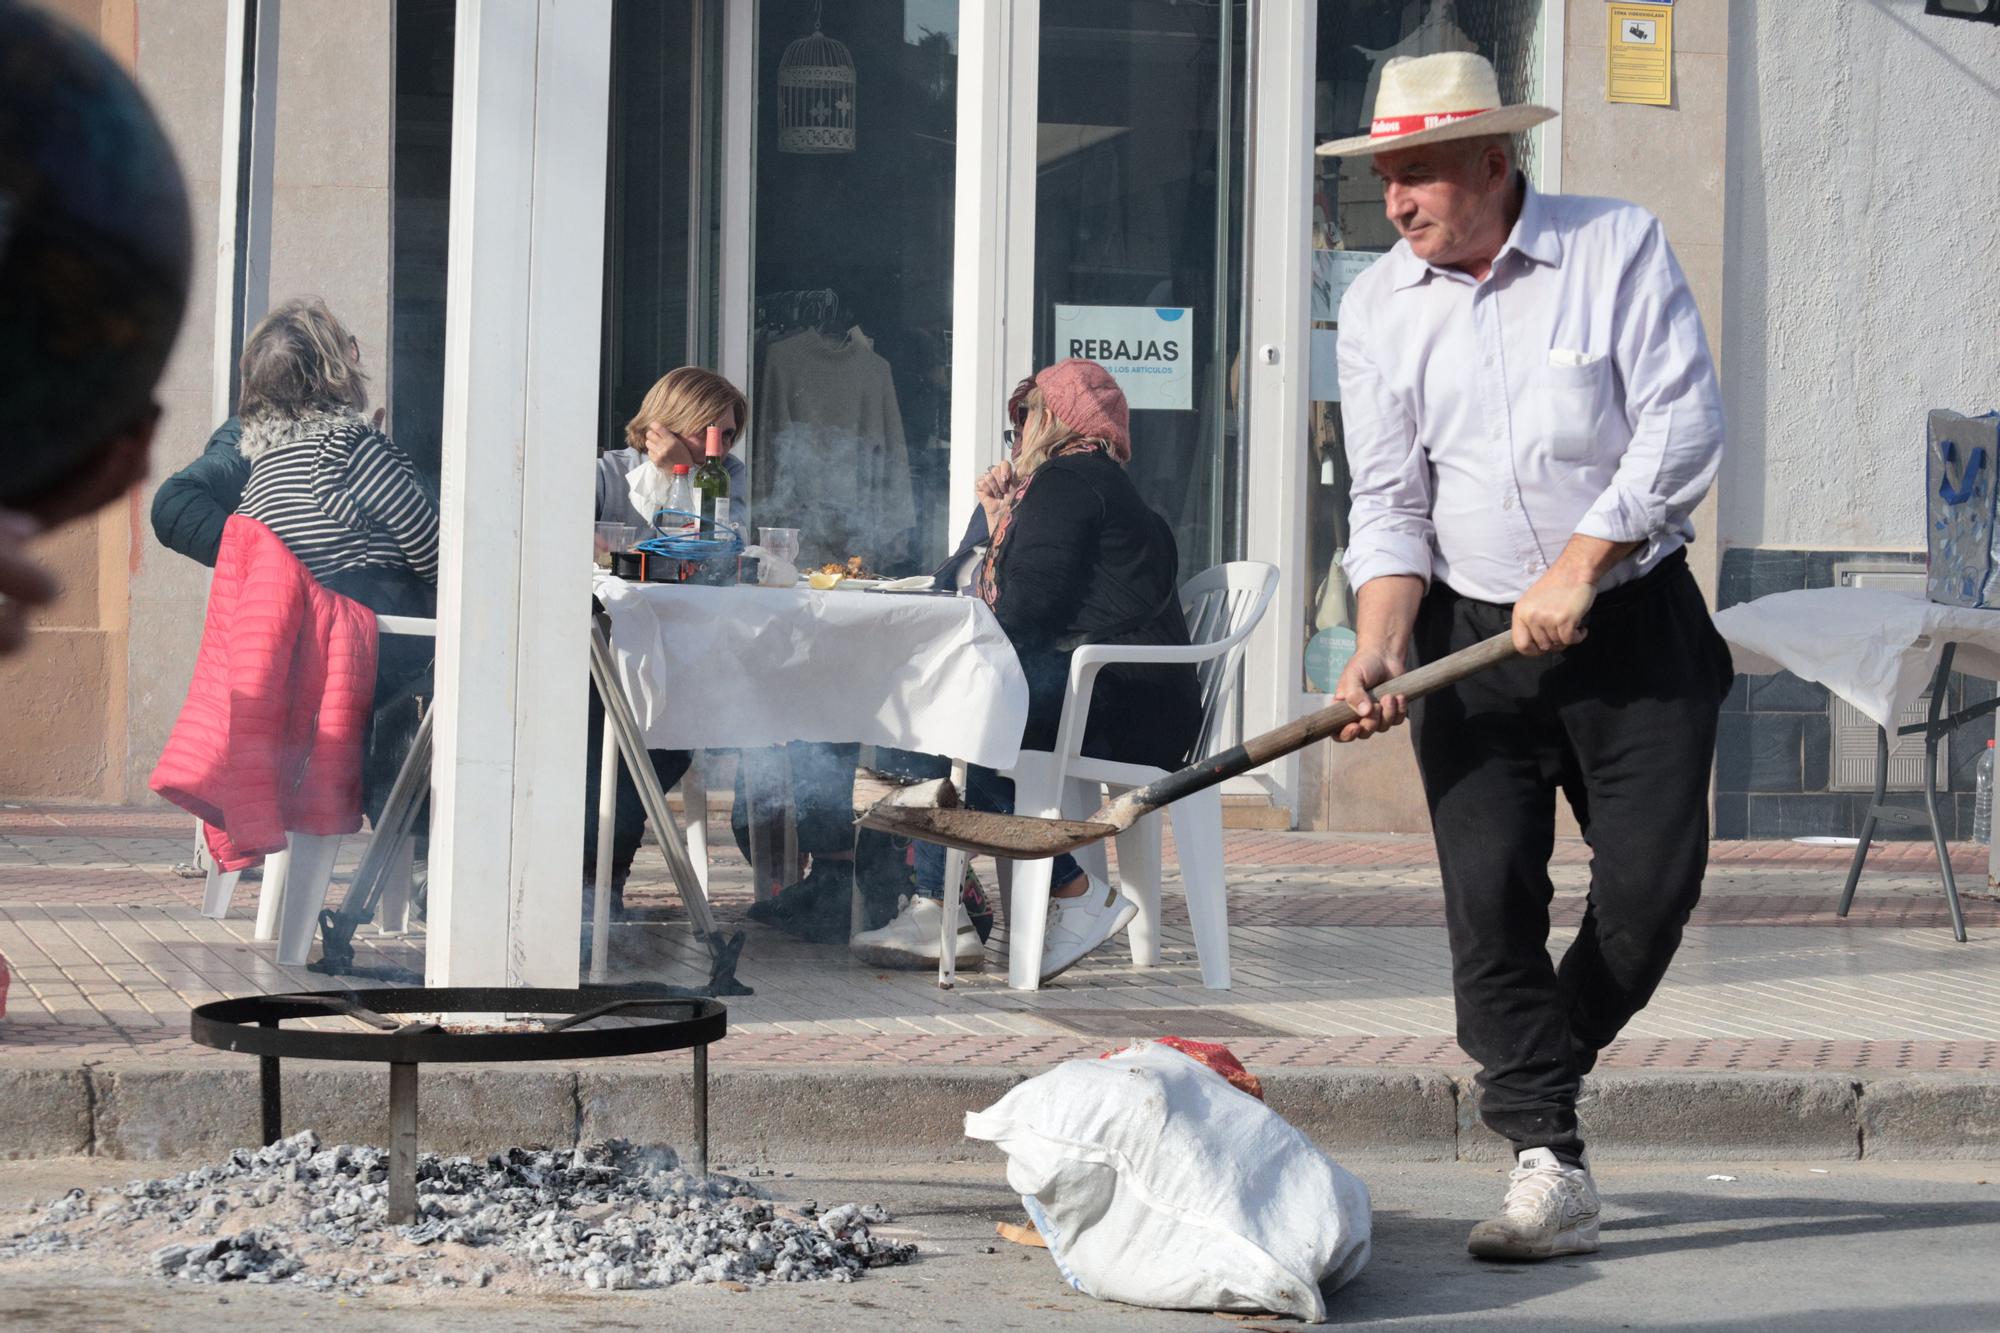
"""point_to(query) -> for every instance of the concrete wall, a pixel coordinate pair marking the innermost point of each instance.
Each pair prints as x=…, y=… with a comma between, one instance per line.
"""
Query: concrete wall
x=1864, y=247
x=1670, y=160
x=329, y=236
x=181, y=68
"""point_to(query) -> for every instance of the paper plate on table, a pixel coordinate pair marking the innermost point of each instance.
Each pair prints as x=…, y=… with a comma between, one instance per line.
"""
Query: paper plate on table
x=915, y=583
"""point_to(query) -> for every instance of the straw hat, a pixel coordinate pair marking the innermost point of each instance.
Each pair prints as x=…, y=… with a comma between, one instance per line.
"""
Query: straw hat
x=1428, y=99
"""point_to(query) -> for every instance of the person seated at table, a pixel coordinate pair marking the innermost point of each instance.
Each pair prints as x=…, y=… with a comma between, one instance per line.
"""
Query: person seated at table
x=344, y=498
x=671, y=426
x=1075, y=556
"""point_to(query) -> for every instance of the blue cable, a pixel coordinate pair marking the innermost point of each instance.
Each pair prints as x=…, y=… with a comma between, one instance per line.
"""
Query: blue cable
x=682, y=546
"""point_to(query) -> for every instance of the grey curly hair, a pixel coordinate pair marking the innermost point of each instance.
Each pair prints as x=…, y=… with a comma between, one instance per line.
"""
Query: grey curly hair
x=301, y=359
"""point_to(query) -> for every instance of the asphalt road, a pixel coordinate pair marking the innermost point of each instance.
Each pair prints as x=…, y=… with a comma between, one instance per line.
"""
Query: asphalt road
x=1779, y=1249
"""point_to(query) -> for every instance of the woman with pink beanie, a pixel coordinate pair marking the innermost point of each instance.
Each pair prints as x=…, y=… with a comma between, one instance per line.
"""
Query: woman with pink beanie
x=1074, y=556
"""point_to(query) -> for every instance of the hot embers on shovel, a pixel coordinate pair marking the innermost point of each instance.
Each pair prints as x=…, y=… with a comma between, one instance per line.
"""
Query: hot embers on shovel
x=930, y=811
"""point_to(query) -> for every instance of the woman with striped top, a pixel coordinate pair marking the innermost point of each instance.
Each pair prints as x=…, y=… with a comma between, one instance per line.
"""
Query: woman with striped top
x=344, y=499
x=341, y=495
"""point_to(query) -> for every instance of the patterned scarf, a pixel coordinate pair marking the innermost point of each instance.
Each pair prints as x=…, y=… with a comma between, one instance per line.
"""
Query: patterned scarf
x=985, y=582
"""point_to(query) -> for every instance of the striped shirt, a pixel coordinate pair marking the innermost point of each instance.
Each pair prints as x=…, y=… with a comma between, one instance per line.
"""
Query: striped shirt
x=343, y=497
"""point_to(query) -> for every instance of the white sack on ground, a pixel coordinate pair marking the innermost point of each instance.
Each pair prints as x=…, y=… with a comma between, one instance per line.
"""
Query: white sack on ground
x=1157, y=1183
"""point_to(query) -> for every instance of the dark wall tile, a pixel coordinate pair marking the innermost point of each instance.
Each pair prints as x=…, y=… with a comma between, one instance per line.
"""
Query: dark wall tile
x=1777, y=571
x=1776, y=761
x=1732, y=815
x=1786, y=693
x=1815, y=752
x=1732, y=753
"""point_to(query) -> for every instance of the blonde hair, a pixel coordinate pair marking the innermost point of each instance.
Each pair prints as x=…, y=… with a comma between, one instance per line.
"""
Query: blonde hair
x=684, y=401
x=301, y=359
x=1042, y=432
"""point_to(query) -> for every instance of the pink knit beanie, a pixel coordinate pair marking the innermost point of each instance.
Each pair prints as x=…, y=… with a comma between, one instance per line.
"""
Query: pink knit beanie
x=1084, y=397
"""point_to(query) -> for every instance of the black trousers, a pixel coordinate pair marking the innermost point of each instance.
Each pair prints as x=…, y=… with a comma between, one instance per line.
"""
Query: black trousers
x=1623, y=725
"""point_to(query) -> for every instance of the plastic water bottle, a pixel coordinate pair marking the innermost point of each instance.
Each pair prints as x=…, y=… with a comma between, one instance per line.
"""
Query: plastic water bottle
x=1982, y=804
x=680, y=497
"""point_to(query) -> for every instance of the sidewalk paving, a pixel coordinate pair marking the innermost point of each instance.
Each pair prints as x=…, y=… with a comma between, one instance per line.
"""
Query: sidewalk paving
x=1338, y=945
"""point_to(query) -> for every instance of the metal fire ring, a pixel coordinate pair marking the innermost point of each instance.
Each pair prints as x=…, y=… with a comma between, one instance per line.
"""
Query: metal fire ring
x=250, y=1025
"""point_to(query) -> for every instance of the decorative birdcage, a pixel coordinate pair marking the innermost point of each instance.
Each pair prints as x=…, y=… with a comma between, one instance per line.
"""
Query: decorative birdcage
x=816, y=95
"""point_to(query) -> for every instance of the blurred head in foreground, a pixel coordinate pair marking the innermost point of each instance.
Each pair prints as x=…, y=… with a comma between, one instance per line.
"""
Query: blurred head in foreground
x=94, y=254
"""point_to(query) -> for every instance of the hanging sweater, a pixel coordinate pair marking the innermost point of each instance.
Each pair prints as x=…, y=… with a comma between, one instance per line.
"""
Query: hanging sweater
x=838, y=468
x=341, y=495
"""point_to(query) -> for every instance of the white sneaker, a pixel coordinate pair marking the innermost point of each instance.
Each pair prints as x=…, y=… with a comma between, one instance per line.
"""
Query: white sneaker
x=911, y=940
x=1078, y=925
x=1550, y=1209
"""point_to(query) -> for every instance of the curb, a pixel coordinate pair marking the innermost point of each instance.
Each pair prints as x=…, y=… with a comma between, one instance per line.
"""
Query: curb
x=904, y=1114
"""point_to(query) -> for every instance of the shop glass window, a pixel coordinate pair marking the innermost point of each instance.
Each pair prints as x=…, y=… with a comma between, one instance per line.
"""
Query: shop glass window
x=852, y=277
x=1138, y=238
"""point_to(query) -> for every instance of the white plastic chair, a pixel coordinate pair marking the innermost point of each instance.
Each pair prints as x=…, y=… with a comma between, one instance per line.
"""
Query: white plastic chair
x=296, y=879
x=1222, y=605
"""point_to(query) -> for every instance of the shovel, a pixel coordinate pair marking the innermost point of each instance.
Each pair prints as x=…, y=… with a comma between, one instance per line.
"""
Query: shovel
x=930, y=812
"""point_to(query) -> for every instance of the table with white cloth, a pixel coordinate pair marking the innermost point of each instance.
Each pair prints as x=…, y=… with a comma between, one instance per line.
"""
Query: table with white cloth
x=1880, y=651
x=747, y=668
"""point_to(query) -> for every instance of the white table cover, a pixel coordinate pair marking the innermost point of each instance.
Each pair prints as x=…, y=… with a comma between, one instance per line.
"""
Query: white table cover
x=1873, y=648
x=714, y=668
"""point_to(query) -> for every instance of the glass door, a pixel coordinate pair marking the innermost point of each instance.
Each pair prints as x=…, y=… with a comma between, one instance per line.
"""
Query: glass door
x=1139, y=236
x=850, y=276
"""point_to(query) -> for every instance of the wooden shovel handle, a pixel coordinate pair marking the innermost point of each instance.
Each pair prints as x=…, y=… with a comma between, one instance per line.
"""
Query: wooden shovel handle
x=1262, y=749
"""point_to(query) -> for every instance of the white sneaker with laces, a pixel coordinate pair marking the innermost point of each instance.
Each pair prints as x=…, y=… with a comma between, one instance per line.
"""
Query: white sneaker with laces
x=1550, y=1209
x=911, y=940
x=1078, y=925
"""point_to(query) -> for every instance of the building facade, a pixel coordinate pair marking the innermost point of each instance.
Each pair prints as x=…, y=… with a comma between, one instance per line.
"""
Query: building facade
x=877, y=215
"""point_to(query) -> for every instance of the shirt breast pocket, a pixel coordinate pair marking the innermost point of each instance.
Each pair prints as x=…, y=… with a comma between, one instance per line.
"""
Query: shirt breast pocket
x=1573, y=399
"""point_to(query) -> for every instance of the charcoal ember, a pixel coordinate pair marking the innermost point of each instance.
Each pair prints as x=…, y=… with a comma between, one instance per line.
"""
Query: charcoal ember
x=606, y=1216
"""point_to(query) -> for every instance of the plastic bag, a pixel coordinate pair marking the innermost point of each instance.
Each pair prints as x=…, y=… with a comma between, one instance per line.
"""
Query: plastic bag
x=1157, y=1183
x=1961, y=500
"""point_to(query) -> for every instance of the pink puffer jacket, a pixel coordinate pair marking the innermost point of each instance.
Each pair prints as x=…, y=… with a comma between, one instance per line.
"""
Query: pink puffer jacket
x=270, y=738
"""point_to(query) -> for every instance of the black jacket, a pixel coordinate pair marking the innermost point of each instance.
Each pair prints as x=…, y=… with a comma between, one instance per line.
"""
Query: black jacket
x=191, y=506
x=1085, y=561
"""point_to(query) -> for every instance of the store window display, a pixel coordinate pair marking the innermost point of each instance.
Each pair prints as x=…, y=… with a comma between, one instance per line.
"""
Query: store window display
x=1349, y=231
x=852, y=269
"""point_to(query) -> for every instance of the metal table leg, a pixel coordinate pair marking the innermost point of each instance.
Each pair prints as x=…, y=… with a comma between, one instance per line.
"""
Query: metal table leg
x=1868, y=824
x=1936, y=727
x=1932, y=733
x=402, y=1144
x=632, y=747
x=607, y=814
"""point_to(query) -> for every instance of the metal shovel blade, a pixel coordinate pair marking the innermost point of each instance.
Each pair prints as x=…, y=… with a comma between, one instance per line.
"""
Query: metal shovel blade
x=930, y=811
x=1017, y=837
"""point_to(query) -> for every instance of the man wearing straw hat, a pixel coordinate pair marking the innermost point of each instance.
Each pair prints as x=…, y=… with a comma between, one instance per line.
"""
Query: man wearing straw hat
x=1531, y=416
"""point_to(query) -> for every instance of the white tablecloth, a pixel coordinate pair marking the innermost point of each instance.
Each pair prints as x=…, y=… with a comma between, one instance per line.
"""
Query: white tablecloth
x=1875, y=649
x=714, y=668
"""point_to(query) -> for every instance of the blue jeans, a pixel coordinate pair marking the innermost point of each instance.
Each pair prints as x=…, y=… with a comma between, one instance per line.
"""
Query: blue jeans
x=984, y=790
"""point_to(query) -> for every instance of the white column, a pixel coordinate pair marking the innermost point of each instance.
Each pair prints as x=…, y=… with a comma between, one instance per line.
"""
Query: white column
x=1279, y=240
x=521, y=350
x=993, y=232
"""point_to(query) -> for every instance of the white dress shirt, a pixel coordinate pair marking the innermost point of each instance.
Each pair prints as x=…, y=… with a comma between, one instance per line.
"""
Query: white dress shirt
x=1569, y=392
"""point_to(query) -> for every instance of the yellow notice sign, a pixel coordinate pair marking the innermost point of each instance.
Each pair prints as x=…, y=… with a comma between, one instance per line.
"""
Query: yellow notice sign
x=1639, y=55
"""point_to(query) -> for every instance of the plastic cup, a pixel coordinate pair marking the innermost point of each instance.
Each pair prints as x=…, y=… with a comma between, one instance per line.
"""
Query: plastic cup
x=781, y=542
x=609, y=537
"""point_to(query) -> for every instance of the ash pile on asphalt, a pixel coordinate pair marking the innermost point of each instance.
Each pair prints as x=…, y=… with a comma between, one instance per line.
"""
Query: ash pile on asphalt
x=606, y=1216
